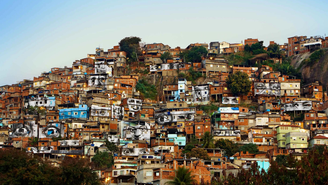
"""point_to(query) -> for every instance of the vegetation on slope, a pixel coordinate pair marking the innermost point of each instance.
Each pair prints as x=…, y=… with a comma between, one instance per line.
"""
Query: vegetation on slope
x=18, y=167
x=146, y=89
x=314, y=58
x=311, y=169
x=195, y=54
x=239, y=83
x=285, y=68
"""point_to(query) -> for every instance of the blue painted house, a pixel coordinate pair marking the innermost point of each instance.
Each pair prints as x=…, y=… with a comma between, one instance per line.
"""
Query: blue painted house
x=181, y=141
x=80, y=112
x=265, y=165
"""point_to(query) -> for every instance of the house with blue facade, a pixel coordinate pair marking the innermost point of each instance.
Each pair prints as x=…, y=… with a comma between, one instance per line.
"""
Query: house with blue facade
x=80, y=112
x=182, y=83
x=181, y=141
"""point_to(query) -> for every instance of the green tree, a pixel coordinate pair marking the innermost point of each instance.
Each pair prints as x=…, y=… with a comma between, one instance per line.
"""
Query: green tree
x=281, y=160
x=188, y=148
x=240, y=58
x=193, y=75
x=247, y=48
x=195, y=54
x=251, y=148
x=17, y=167
x=181, y=75
x=257, y=48
x=146, y=89
x=229, y=146
x=131, y=46
x=274, y=51
x=182, y=177
x=208, y=141
x=111, y=146
x=77, y=172
x=239, y=83
x=312, y=169
x=315, y=56
x=33, y=141
x=165, y=56
x=103, y=159
x=209, y=108
x=319, y=148
x=194, y=140
x=200, y=153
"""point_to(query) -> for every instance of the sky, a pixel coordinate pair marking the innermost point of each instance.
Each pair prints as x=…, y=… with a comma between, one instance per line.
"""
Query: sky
x=38, y=35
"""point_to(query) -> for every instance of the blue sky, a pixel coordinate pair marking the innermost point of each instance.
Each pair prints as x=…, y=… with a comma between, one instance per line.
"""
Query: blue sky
x=38, y=35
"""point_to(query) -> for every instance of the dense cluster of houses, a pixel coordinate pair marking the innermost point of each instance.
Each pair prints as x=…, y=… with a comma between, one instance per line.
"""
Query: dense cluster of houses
x=72, y=111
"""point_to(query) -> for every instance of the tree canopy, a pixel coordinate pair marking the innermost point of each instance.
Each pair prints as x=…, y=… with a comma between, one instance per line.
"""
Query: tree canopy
x=208, y=141
x=312, y=169
x=18, y=167
x=239, y=83
x=274, y=51
x=111, y=146
x=195, y=54
x=182, y=177
x=230, y=147
x=146, y=89
x=251, y=148
x=130, y=45
x=198, y=153
x=103, y=159
x=166, y=55
x=188, y=148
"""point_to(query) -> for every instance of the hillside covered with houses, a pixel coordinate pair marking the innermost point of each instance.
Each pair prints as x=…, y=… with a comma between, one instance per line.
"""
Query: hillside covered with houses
x=139, y=112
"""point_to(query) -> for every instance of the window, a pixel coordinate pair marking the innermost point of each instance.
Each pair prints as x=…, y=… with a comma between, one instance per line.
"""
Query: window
x=302, y=138
x=75, y=113
x=69, y=113
x=294, y=138
x=198, y=127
